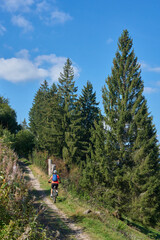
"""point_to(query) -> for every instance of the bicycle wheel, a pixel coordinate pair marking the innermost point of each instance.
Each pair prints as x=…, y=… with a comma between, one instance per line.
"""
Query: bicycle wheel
x=54, y=195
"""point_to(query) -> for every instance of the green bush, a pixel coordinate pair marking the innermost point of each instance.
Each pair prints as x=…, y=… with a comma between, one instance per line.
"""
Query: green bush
x=40, y=159
x=18, y=216
x=24, y=143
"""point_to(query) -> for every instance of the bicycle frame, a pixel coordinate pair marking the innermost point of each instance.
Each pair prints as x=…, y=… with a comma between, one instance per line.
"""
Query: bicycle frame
x=54, y=194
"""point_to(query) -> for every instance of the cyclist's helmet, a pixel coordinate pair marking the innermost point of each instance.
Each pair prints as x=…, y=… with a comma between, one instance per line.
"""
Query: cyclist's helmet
x=55, y=171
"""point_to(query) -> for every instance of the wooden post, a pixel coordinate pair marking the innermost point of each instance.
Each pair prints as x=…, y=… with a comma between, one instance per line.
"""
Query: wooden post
x=49, y=167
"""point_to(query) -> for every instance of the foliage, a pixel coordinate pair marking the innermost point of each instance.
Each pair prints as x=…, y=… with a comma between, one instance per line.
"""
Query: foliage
x=131, y=142
x=100, y=223
x=113, y=158
x=39, y=159
x=24, y=125
x=89, y=113
x=45, y=120
x=24, y=143
x=18, y=216
x=8, y=138
x=70, y=117
x=8, y=116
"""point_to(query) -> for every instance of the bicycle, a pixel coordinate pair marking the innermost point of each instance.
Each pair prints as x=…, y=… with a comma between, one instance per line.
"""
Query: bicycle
x=54, y=194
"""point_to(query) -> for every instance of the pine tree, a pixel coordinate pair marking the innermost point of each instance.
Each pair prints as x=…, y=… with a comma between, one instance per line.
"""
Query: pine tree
x=45, y=119
x=70, y=121
x=24, y=125
x=54, y=123
x=66, y=86
x=89, y=113
x=37, y=114
x=95, y=170
x=131, y=137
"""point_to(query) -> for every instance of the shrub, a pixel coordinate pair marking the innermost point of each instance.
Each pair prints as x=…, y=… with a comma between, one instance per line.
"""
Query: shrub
x=18, y=216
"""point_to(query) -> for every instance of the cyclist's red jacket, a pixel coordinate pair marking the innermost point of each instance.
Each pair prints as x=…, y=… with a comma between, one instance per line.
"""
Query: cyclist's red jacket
x=57, y=182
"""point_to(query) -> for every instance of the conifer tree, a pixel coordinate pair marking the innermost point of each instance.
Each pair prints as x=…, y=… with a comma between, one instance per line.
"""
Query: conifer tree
x=70, y=121
x=131, y=142
x=37, y=114
x=45, y=119
x=24, y=125
x=66, y=86
x=54, y=123
x=95, y=171
x=89, y=113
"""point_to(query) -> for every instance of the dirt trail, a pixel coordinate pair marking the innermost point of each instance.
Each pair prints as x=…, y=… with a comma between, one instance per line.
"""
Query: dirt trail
x=74, y=231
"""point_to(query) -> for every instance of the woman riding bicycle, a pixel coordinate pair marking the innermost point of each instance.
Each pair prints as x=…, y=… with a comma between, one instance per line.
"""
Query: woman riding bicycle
x=55, y=181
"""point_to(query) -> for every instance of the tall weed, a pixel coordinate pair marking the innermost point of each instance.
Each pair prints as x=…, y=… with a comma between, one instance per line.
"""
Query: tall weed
x=18, y=216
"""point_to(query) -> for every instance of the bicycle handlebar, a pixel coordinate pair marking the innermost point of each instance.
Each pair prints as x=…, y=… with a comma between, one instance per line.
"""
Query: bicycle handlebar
x=50, y=182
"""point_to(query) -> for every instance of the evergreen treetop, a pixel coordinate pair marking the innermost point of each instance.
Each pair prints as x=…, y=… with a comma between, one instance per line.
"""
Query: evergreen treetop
x=66, y=84
x=131, y=140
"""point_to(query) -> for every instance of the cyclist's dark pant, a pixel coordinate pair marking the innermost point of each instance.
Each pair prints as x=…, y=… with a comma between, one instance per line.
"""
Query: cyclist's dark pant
x=54, y=185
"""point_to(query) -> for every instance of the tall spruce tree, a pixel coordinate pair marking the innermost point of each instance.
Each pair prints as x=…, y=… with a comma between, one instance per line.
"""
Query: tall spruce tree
x=37, y=114
x=89, y=110
x=45, y=119
x=54, y=126
x=70, y=119
x=95, y=170
x=131, y=138
x=66, y=86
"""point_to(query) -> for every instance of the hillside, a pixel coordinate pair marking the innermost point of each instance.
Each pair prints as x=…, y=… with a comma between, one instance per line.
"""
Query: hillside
x=71, y=211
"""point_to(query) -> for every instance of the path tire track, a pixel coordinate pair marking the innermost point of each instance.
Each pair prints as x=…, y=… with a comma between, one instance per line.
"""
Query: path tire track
x=77, y=231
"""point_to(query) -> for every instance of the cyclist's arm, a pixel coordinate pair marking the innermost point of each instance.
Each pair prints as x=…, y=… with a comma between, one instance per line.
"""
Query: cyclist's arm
x=50, y=179
x=59, y=179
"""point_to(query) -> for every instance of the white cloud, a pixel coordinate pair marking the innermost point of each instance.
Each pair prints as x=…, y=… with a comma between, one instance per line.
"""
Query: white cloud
x=144, y=65
x=155, y=69
x=148, y=68
x=20, y=21
x=149, y=90
x=45, y=10
x=24, y=54
x=60, y=17
x=42, y=6
x=35, y=50
x=109, y=40
x=16, y=5
x=55, y=70
x=55, y=65
x=52, y=59
x=2, y=29
x=20, y=68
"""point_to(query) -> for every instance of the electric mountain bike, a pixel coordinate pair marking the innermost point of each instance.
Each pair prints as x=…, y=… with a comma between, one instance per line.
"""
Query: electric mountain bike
x=54, y=194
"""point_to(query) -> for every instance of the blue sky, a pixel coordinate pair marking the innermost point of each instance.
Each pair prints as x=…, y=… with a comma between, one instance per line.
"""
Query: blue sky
x=36, y=37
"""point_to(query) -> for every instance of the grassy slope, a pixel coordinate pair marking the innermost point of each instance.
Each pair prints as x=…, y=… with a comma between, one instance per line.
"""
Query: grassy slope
x=104, y=227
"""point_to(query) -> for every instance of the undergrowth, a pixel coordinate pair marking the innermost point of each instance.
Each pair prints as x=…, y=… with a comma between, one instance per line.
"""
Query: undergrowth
x=99, y=223
x=18, y=218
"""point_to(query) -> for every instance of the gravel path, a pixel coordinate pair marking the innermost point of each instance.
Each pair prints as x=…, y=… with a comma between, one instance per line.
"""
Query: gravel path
x=75, y=232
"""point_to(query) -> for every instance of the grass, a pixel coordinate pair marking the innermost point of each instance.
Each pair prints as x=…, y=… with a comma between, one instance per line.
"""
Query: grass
x=104, y=226
x=47, y=218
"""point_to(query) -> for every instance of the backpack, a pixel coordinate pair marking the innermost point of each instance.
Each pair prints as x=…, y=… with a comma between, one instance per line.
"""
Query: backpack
x=55, y=178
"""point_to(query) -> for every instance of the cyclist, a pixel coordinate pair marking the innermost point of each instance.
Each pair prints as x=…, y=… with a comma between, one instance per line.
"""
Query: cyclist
x=55, y=181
